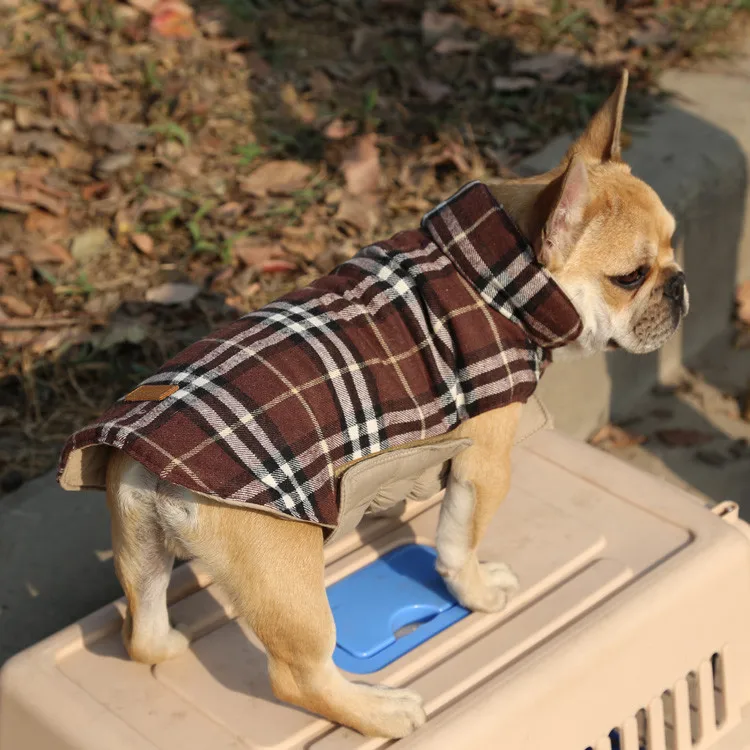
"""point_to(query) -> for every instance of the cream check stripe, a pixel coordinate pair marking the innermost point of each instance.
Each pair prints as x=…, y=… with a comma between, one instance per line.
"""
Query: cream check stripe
x=394, y=362
x=493, y=328
x=460, y=238
x=496, y=283
x=403, y=342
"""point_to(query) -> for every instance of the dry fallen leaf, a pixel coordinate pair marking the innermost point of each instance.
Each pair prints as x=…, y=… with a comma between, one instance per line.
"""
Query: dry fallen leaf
x=94, y=190
x=190, y=165
x=307, y=240
x=510, y=84
x=37, y=142
x=456, y=154
x=44, y=199
x=301, y=109
x=124, y=223
x=90, y=244
x=258, y=66
x=11, y=199
x=40, y=222
x=158, y=203
x=450, y=46
x=147, y=6
x=321, y=84
x=338, y=129
x=532, y=7
x=361, y=166
x=277, y=266
x=24, y=117
x=432, y=90
x=230, y=211
x=550, y=67
x=73, y=157
x=653, y=33
x=101, y=75
x=223, y=276
x=613, y=436
x=144, y=243
x=436, y=25
x=173, y=19
x=276, y=177
x=172, y=293
x=125, y=330
x=682, y=438
x=118, y=136
x=252, y=252
x=16, y=306
x=16, y=339
x=597, y=11
x=360, y=39
x=66, y=106
x=54, y=340
x=358, y=211
x=48, y=252
x=113, y=163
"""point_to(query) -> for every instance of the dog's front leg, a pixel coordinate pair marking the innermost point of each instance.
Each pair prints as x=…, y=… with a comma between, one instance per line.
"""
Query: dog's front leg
x=478, y=483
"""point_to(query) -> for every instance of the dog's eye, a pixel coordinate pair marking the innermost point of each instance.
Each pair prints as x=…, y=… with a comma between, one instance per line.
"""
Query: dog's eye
x=631, y=280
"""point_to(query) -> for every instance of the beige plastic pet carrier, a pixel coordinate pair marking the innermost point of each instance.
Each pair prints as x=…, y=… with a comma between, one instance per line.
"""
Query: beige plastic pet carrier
x=631, y=630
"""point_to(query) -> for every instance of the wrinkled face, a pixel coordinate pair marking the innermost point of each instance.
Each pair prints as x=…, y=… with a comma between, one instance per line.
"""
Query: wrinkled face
x=621, y=274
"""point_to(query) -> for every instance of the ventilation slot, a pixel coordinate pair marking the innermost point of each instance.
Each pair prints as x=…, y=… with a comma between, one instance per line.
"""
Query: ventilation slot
x=667, y=703
x=720, y=707
x=695, y=711
x=692, y=710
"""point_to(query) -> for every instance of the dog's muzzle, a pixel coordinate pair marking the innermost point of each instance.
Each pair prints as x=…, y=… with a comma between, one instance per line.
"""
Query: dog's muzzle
x=675, y=290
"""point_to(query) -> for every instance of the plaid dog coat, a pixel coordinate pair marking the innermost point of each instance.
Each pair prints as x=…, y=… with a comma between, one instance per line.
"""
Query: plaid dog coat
x=401, y=343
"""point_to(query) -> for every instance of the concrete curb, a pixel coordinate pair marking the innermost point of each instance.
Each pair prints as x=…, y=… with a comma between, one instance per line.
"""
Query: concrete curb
x=694, y=153
x=55, y=561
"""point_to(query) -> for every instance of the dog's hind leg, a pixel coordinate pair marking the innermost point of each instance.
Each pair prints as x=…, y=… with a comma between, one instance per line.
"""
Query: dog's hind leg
x=142, y=561
x=274, y=571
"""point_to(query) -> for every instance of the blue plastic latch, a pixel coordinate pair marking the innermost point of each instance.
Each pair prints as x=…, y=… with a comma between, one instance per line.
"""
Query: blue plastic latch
x=389, y=607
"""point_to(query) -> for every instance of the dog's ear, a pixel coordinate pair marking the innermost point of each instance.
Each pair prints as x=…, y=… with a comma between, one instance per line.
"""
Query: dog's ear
x=601, y=139
x=569, y=196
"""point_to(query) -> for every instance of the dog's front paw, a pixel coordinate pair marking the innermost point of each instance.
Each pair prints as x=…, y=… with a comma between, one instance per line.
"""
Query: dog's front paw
x=483, y=587
x=149, y=648
x=498, y=575
x=388, y=712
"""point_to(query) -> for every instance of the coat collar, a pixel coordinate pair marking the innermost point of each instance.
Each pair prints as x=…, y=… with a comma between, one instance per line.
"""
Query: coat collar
x=483, y=242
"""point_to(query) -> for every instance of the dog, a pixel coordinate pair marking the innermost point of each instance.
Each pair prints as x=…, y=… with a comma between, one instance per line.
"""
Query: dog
x=600, y=239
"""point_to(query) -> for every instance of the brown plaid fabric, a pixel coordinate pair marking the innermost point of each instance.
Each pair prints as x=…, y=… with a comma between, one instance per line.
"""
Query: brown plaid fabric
x=405, y=341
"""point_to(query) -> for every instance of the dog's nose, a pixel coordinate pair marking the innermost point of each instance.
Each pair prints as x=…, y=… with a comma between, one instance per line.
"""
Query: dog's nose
x=674, y=289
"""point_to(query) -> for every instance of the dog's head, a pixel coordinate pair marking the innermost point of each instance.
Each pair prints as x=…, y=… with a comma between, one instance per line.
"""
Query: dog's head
x=605, y=237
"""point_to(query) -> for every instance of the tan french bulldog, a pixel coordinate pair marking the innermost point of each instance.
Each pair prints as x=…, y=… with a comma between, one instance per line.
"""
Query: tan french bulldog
x=605, y=238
